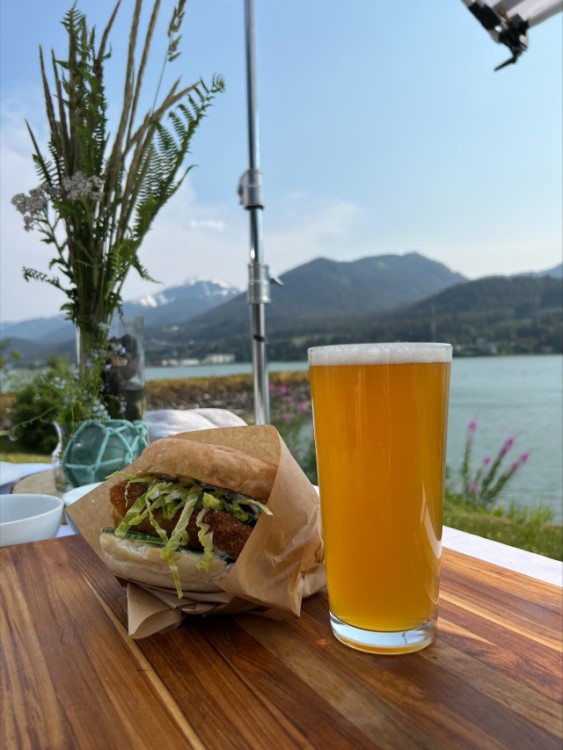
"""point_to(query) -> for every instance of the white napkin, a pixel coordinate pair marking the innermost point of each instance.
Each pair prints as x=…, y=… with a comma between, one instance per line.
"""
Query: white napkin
x=165, y=422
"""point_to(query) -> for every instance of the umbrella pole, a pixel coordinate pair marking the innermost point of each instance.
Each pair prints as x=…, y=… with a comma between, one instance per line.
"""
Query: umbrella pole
x=250, y=191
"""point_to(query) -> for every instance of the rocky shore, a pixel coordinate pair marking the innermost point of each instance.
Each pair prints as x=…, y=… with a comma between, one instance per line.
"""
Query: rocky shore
x=233, y=392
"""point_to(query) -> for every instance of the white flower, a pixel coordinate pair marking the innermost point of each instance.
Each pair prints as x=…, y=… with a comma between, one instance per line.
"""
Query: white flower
x=79, y=186
x=31, y=205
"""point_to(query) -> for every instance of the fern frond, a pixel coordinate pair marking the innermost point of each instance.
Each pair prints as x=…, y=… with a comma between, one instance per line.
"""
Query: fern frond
x=31, y=274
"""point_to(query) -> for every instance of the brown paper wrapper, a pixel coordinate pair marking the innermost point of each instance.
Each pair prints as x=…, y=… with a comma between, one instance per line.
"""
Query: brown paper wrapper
x=281, y=563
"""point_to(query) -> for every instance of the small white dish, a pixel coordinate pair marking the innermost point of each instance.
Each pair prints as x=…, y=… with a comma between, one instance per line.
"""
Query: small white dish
x=75, y=494
x=29, y=518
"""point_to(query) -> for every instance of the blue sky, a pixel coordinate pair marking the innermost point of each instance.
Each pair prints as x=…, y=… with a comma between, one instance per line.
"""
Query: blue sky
x=383, y=129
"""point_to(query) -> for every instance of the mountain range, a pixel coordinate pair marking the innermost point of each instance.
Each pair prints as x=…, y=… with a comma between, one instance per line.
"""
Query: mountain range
x=320, y=302
x=177, y=303
x=493, y=315
x=310, y=295
x=324, y=290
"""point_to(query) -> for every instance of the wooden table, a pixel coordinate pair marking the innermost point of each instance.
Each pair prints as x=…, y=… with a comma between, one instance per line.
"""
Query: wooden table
x=72, y=678
x=43, y=482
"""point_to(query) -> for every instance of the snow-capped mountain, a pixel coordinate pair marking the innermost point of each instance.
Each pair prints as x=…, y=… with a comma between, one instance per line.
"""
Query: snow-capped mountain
x=170, y=306
x=195, y=287
x=180, y=303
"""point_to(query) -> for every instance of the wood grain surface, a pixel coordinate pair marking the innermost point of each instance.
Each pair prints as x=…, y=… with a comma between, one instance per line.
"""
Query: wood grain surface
x=43, y=482
x=72, y=678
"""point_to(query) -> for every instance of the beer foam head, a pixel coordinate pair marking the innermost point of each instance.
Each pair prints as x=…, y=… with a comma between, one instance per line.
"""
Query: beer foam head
x=379, y=354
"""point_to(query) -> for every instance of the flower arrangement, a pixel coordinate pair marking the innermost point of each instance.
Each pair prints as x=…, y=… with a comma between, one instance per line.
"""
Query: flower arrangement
x=98, y=197
x=483, y=488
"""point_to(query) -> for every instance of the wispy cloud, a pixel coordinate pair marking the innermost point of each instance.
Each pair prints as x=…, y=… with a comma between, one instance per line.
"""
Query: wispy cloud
x=303, y=227
x=207, y=224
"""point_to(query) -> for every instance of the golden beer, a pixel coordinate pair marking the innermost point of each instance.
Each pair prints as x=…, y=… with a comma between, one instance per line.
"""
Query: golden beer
x=380, y=419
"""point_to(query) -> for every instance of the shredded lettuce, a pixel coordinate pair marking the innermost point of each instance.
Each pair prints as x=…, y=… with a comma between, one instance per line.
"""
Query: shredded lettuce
x=210, y=501
x=205, y=539
x=179, y=536
x=257, y=504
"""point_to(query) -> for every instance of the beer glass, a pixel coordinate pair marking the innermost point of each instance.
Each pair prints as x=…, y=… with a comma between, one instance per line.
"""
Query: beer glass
x=380, y=415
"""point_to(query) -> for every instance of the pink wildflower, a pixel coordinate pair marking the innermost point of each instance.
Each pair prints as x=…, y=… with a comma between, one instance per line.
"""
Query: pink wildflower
x=282, y=390
x=522, y=458
x=473, y=488
x=472, y=425
x=303, y=406
x=486, y=460
x=508, y=443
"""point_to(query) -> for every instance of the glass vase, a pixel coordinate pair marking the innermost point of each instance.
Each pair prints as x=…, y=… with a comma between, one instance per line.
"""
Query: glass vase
x=124, y=376
x=107, y=431
x=62, y=484
x=117, y=352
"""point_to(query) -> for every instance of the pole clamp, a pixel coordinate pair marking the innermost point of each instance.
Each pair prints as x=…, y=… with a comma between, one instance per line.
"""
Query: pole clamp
x=258, y=284
x=250, y=189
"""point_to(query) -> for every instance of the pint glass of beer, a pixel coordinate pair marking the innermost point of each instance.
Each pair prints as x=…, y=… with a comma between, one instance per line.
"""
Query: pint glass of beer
x=380, y=415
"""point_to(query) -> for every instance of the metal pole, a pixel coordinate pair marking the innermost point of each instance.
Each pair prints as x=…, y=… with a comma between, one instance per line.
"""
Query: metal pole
x=250, y=191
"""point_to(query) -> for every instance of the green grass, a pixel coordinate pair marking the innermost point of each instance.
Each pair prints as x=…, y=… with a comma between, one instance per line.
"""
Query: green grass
x=543, y=538
x=11, y=451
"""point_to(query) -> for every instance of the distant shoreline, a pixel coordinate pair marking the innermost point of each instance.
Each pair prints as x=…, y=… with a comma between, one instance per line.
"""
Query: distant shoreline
x=234, y=392
x=274, y=366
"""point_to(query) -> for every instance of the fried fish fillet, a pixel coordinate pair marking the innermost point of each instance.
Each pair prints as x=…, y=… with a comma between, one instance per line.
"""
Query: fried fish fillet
x=229, y=534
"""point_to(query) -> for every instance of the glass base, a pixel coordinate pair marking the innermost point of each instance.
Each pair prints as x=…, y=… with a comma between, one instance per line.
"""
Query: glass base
x=375, y=642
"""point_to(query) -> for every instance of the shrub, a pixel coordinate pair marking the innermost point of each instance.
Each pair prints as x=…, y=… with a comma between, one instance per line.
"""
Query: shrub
x=59, y=393
x=291, y=414
x=32, y=416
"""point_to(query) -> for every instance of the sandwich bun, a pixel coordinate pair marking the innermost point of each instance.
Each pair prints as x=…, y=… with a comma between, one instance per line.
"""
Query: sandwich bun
x=141, y=562
x=217, y=465
x=213, y=465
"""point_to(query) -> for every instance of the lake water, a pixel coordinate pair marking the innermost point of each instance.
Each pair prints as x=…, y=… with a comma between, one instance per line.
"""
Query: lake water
x=518, y=397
